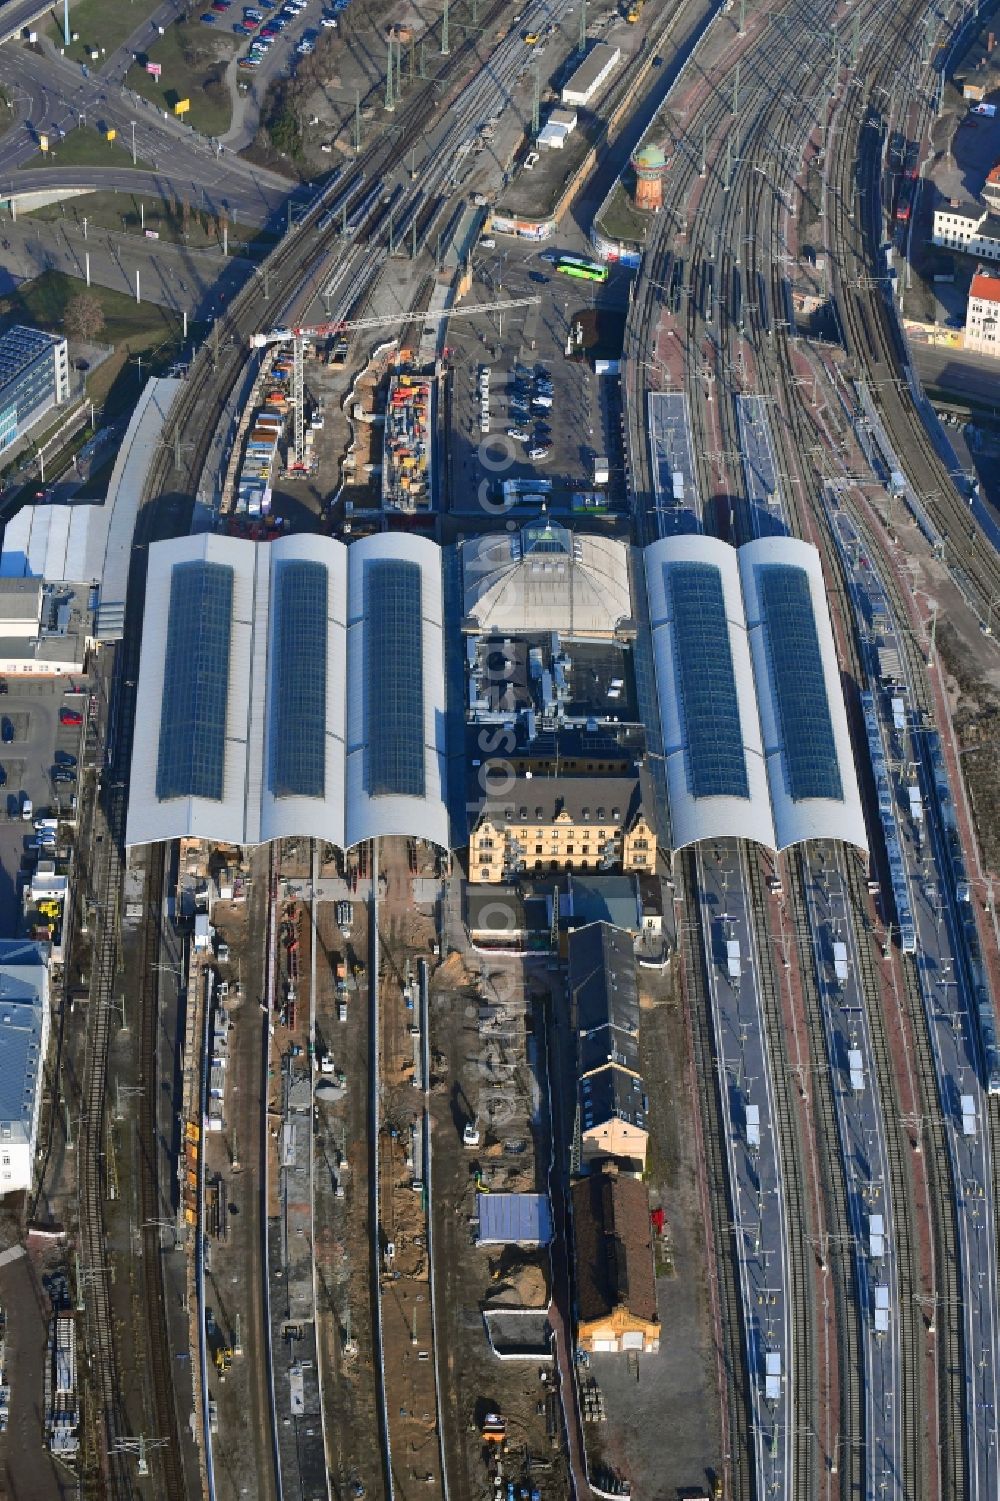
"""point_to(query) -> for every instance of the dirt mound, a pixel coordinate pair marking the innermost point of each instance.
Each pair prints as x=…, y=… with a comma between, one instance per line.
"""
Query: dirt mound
x=524, y=1287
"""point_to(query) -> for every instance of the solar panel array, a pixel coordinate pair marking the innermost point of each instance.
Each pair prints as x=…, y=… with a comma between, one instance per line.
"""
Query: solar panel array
x=799, y=683
x=297, y=731
x=704, y=669
x=394, y=680
x=191, y=757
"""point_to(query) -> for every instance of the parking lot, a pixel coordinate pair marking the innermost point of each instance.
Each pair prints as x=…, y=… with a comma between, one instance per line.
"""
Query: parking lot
x=39, y=760
x=524, y=352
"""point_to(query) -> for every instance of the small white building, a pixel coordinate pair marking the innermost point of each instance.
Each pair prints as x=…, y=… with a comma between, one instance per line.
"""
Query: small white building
x=982, y=316
x=968, y=229
x=591, y=75
x=24, y=1038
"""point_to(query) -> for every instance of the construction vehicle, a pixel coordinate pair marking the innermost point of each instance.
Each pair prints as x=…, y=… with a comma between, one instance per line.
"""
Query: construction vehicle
x=299, y=337
x=634, y=11
x=494, y=1428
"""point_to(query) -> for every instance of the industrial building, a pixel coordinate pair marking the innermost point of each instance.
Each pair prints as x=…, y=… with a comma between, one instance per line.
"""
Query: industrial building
x=45, y=628
x=292, y=688
x=90, y=545
x=604, y=1012
x=557, y=823
x=34, y=377
x=613, y=1256
x=753, y=727
x=586, y=82
x=545, y=578
x=24, y=1039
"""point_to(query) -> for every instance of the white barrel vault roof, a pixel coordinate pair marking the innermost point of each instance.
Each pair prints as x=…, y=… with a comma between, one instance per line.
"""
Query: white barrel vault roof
x=419, y=818
x=692, y=818
x=768, y=815
x=807, y=818
x=249, y=811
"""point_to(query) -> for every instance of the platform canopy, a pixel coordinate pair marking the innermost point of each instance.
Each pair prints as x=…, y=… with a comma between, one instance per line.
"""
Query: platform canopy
x=753, y=724
x=290, y=688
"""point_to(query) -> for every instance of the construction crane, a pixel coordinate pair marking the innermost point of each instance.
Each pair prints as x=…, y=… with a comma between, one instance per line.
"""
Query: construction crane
x=301, y=335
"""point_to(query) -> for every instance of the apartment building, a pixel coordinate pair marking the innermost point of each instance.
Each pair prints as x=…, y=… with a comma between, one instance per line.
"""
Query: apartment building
x=982, y=316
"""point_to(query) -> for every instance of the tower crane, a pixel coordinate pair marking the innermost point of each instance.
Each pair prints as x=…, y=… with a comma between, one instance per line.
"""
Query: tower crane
x=306, y=333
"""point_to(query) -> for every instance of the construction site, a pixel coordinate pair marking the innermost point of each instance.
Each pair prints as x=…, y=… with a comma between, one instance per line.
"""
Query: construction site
x=491, y=1127
x=407, y=444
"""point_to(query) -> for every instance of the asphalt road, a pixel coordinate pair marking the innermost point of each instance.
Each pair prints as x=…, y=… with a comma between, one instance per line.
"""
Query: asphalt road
x=51, y=95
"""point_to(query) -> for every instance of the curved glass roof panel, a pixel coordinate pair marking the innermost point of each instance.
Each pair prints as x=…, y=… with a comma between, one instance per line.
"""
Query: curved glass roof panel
x=298, y=675
x=394, y=679
x=703, y=664
x=799, y=683
x=192, y=748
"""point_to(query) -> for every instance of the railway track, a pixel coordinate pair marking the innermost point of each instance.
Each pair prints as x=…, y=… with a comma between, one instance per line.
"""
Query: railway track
x=837, y=1236
x=167, y=1465
x=800, y=1292
x=897, y=1144
x=104, y=1378
x=708, y=1066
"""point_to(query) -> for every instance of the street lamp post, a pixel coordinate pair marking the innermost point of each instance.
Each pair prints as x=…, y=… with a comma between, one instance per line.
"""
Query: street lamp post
x=132, y=122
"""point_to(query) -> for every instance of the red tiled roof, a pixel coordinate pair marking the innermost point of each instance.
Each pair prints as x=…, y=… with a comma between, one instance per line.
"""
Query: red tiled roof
x=985, y=286
x=994, y=174
x=614, y=1246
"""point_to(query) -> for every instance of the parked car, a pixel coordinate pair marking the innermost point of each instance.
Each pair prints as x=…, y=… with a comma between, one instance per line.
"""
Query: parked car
x=6, y=730
x=68, y=716
x=540, y=451
x=208, y=18
x=521, y=434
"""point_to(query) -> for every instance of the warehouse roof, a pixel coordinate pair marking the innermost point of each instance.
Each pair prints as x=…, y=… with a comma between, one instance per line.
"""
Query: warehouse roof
x=754, y=728
x=614, y=1247
x=546, y=578
x=514, y=1219
x=23, y=1017
x=252, y=653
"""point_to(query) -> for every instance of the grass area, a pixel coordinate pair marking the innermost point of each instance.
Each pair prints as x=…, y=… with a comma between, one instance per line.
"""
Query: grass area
x=134, y=213
x=193, y=58
x=100, y=23
x=621, y=219
x=84, y=147
x=135, y=329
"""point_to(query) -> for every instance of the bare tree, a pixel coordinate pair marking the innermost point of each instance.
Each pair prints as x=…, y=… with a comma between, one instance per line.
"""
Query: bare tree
x=84, y=316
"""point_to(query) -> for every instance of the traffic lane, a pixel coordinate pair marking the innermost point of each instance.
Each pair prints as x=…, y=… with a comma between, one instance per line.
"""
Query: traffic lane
x=70, y=101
